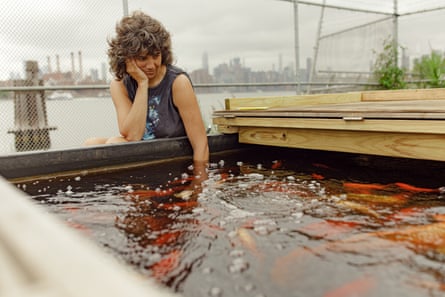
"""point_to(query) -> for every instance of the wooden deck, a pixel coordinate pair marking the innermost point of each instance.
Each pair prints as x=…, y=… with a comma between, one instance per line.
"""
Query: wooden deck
x=405, y=123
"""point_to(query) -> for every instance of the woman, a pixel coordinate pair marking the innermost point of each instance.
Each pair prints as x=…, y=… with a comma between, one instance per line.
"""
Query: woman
x=152, y=98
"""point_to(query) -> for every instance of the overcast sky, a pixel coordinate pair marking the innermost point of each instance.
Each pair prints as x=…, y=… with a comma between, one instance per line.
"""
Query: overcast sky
x=257, y=31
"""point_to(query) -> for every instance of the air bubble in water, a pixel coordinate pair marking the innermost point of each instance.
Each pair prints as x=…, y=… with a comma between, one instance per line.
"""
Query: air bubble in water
x=68, y=191
x=298, y=214
x=215, y=292
x=236, y=253
x=249, y=287
x=198, y=210
x=238, y=265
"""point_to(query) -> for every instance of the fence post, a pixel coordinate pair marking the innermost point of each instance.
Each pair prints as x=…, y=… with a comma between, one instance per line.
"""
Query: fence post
x=31, y=128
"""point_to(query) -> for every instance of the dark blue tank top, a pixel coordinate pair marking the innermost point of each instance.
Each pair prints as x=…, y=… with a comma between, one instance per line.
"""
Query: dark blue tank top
x=163, y=119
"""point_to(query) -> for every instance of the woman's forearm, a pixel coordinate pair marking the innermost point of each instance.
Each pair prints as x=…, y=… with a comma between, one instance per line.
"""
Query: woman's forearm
x=134, y=125
x=201, y=152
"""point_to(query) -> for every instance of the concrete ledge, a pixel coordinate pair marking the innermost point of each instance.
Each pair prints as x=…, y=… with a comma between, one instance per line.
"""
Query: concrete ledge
x=40, y=256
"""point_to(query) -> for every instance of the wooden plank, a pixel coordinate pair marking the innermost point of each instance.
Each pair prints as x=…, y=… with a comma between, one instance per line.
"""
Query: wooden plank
x=337, y=114
x=417, y=146
x=431, y=106
x=232, y=125
x=228, y=129
x=284, y=101
x=411, y=94
x=424, y=109
x=320, y=99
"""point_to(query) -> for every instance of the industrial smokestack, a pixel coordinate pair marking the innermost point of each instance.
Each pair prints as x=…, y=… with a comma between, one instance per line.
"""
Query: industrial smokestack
x=49, y=65
x=80, y=66
x=73, y=70
x=58, y=63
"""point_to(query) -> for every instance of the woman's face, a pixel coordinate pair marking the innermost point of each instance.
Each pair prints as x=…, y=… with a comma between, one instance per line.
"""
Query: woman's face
x=149, y=64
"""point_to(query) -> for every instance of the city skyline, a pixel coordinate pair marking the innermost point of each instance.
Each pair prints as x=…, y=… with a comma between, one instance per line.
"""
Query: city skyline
x=76, y=71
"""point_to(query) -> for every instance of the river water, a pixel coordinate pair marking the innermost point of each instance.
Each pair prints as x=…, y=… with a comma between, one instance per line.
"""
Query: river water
x=81, y=118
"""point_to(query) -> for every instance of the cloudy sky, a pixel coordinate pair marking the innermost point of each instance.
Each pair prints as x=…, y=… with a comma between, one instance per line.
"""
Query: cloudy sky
x=257, y=31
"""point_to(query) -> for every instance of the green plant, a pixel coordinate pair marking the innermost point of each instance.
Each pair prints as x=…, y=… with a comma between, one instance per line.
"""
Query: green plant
x=386, y=71
x=432, y=69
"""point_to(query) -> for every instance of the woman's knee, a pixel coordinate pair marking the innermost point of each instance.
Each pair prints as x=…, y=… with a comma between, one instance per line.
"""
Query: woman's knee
x=117, y=139
x=95, y=141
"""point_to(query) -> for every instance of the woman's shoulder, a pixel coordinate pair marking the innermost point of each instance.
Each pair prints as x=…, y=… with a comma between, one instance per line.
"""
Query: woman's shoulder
x=178, y=74
x=116, y=84
x=175, y=70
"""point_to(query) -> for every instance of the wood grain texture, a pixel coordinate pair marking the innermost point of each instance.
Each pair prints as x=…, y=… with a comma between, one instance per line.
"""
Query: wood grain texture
x=417, y=146
x=423, y=109
x=396, y=126
x=285, y=101
x=410, y=94
x=400, y=123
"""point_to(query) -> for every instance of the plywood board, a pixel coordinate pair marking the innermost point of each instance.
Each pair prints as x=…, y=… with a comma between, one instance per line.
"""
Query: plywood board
x=232, y=125
x=261, y=103
x=410, y=94
x=424, y=109
x=417, y=146
x=403, y=123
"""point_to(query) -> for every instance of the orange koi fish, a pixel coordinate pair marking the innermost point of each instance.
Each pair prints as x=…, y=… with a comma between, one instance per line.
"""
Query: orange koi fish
x=412, y=188
x=71, y=208
x=358, y=207
x=422, y=237
x=166, y=238
x=358, y=287
x=366, y=188
x=84, y=229
x=152, y=193
x=378, y=199
x=276, y=164
x=317, y=176
x=362, y=188
x=320, y=165
x=166, y=265
x=329, y=229
x=404, y=213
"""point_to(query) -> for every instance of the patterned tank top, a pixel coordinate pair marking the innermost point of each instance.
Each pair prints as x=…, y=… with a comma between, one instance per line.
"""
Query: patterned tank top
x=163, y=119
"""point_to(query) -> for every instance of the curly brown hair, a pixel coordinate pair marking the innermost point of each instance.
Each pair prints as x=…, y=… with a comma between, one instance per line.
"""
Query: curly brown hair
x=138, y=34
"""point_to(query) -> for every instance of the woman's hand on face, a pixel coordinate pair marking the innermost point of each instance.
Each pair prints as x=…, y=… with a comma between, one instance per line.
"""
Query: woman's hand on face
x=134, y=71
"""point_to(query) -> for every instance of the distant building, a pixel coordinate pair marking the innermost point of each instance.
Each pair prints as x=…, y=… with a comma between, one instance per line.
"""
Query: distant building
x=205, y=62
x=201, y=76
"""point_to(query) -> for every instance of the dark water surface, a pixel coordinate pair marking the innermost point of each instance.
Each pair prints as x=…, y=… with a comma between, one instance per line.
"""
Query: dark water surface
x=271, y=222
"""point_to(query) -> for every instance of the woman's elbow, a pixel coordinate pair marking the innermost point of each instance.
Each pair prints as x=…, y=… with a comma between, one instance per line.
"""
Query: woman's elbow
x=131, y=136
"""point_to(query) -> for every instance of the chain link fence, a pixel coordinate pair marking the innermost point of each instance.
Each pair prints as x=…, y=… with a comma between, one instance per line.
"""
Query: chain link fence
x=54, y=77
x=47, y=46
